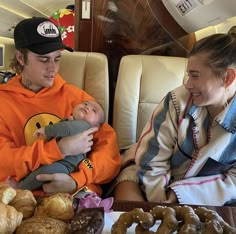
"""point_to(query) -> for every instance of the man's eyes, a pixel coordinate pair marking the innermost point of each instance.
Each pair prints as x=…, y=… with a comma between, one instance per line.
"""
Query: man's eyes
x=45, y=60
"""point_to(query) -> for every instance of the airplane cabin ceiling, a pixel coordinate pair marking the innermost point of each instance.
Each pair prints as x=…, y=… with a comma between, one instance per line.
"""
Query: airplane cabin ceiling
x=13, y=11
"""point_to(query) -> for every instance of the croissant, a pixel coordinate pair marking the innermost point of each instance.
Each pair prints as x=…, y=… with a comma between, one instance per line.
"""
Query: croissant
x=7, y=193
x=24, y=202
x=10, y=219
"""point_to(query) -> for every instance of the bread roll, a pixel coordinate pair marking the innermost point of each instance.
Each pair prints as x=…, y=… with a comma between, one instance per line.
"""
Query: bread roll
x=24, y=202
x=41, y=225
x=7, y=193
x=57, y=206
x=10, y=219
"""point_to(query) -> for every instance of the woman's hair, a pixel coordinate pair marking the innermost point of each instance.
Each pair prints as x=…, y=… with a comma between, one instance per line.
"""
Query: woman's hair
x=220, y=51
x=232, y=31
x=15, y=65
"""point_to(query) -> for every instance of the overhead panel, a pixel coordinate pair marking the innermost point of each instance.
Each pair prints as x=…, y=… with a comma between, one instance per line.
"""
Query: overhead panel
x=8, y=22
x=48, y=7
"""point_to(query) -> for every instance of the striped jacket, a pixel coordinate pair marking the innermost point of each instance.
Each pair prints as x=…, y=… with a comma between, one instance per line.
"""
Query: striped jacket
x=183, y=149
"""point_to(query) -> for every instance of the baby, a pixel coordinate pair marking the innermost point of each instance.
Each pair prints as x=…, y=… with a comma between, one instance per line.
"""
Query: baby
x=85, y=115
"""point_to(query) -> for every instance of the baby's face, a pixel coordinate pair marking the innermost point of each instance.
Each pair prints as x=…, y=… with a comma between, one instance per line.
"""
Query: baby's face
x=89, y=111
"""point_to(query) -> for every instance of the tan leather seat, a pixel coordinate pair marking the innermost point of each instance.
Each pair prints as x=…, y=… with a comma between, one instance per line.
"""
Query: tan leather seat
x=143, y=80
x=89, y=71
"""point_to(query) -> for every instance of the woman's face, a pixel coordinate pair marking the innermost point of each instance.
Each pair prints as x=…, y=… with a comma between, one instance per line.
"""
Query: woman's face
x=206, y=89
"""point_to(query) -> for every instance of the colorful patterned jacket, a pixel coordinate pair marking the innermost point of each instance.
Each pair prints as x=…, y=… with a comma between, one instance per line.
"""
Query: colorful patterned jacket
x=183, y=149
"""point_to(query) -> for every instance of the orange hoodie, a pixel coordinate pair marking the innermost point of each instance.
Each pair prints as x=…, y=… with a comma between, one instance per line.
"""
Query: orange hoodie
x=23, y=111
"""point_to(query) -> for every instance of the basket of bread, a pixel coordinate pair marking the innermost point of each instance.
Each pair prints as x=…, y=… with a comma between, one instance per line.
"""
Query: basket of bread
x=21, y=213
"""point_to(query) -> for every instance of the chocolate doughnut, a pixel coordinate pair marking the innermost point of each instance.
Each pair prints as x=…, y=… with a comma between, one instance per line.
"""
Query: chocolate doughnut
x=88, y=220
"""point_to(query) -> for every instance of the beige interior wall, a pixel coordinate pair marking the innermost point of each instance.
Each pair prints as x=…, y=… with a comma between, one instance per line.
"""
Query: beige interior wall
x=9, y=51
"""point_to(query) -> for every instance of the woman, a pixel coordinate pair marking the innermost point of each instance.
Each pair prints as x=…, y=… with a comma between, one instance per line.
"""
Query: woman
x=186, y=152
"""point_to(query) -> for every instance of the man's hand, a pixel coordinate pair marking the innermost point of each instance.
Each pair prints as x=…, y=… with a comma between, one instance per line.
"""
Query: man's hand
x=77, y=144
x=57, y=182
x=70, y=117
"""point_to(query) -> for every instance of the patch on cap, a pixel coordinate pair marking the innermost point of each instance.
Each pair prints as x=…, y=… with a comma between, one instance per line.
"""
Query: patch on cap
x=48, y=29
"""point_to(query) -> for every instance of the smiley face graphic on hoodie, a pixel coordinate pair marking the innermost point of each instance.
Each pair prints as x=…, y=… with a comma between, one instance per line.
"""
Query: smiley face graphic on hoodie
x=36, y=122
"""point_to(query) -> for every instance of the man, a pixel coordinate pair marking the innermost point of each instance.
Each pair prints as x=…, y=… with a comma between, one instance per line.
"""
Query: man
x=37, y=96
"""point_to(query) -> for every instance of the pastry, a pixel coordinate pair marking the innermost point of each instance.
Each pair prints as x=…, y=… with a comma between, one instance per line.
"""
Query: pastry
x=169, y=223
x=10, y=219
x=7, y=193
x=144, y=220
x=88, y=220
x=24, y=202
x=191, y=221
x=57, y=206
x=213, y=223
x=41, y=225
x=176, y=219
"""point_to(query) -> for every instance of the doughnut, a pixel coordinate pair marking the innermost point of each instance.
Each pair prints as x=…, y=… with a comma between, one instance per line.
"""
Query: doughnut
x=213, y=222
x=191, y=222
x=176, y=219
x=88, y=220
x=137, y=215
x=169, y=222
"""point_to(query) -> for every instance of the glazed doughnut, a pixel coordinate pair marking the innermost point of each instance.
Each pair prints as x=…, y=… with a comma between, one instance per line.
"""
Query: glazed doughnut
x=213, y=222
x=169, y=222
x=137, y=215
x=191, y=221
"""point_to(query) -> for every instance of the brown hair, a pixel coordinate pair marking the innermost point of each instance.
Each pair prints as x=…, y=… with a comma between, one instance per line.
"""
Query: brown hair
x=220, y=50
x=103, y=119
x=15, y=65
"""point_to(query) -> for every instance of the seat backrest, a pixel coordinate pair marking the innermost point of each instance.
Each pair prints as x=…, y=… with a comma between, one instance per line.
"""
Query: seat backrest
x=143, y=81
x=88, y=71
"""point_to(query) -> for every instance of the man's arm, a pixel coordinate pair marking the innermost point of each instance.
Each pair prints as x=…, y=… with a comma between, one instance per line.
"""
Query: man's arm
x=103, y=162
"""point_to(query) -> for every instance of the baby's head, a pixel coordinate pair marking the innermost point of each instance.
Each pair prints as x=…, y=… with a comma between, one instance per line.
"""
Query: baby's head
x=90, y=111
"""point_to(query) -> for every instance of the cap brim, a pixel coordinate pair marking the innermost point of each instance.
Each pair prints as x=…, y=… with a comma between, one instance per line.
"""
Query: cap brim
x=48, y=47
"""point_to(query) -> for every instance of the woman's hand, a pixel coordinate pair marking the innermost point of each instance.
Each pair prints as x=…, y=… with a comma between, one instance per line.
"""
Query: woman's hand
x=57, y=182
x=77, y=144
x=172, y=198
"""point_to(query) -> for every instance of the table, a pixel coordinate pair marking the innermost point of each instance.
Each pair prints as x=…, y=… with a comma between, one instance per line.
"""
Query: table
x=226, y=212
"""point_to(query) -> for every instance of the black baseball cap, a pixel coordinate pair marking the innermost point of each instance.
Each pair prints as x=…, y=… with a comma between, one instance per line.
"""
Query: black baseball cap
x=39, y=35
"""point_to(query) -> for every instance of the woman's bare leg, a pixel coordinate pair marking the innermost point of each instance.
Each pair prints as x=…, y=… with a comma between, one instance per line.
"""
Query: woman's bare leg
x=128, y=190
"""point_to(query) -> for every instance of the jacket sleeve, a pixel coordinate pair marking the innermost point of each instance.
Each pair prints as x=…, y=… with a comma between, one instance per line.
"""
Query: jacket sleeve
x=103, y=162
x=18, y=161
x=66, y=128
x=199, y=190
x=154, y=151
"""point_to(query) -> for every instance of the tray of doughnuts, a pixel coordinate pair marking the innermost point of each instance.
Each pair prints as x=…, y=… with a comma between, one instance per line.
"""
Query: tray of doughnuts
x=182, y=219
